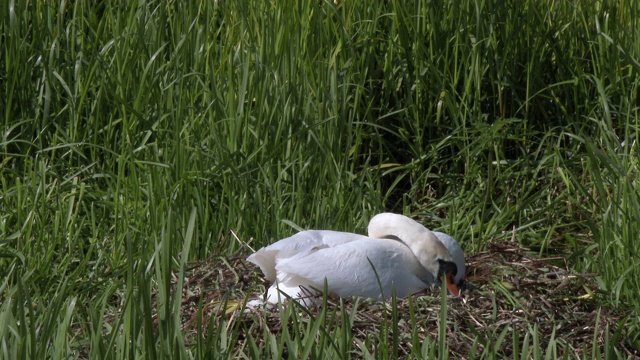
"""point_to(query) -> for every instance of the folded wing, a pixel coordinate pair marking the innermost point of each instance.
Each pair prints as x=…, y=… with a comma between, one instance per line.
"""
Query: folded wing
x=349, y=269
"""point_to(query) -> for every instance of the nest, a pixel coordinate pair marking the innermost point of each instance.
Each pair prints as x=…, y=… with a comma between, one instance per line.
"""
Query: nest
x=506, y=288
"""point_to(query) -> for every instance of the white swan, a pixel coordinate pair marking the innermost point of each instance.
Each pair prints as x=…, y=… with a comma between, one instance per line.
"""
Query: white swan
x=399, y=252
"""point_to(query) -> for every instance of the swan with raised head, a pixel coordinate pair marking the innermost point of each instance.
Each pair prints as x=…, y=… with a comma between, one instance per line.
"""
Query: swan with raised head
x=398, y=253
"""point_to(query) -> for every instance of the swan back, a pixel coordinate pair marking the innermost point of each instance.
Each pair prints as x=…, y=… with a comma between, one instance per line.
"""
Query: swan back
x=267, y=257
x=351, y=264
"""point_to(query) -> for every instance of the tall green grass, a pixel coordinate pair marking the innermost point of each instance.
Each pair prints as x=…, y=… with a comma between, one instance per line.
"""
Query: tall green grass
x=137, y=136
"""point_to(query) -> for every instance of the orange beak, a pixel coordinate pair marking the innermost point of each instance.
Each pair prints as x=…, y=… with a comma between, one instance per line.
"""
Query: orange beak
x=451, y=285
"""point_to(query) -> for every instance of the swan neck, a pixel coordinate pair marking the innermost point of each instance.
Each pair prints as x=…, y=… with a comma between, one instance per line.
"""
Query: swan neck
x=421, y=241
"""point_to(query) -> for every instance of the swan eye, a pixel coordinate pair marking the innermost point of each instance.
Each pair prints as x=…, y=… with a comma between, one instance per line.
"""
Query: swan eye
x=447, y=267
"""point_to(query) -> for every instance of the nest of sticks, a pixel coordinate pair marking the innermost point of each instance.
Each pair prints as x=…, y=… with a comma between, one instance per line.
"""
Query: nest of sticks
x=506, y=287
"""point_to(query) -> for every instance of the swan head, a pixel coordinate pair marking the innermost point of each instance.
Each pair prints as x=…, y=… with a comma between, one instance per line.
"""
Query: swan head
x=435, y=257
x=447, y=271
x=432, y=254
x=456, y=252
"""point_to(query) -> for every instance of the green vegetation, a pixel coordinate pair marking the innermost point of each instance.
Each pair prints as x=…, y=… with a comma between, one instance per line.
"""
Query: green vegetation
x=140, y=136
